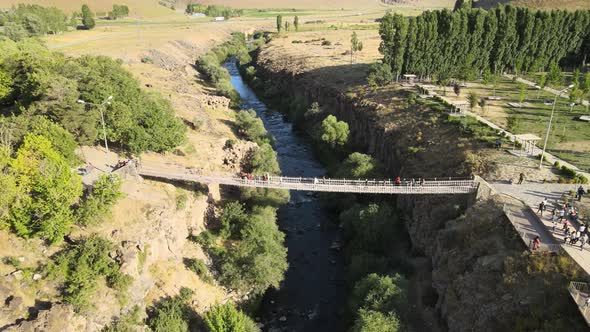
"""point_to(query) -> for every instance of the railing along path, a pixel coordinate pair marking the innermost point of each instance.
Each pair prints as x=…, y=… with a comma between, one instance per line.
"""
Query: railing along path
x=427, y=186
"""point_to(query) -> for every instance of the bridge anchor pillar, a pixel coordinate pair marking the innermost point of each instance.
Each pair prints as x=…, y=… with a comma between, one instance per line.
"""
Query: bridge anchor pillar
x=214, y=194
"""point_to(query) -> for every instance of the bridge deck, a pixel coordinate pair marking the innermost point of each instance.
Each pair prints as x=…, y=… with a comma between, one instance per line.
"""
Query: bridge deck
x=429, y=186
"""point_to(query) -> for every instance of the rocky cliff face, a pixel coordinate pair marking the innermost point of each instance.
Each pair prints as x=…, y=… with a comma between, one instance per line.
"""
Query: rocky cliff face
x=471, y=244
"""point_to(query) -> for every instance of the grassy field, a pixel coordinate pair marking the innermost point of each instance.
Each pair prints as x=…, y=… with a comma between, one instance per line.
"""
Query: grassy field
x=569, y=138
x=142, y=8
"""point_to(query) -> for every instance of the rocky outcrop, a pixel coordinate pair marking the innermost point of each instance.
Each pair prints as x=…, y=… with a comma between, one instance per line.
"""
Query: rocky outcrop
x=59, y=318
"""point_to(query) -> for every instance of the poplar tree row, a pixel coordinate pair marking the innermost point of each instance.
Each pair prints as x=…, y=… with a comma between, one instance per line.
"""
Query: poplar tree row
x=466, y=42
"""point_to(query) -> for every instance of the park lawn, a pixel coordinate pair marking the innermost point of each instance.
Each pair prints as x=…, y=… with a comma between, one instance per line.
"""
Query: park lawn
x=569, y=138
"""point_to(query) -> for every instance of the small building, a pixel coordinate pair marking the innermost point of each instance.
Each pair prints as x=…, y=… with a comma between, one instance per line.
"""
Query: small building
x=410, y=78
x=528, y=143
x=219, y=19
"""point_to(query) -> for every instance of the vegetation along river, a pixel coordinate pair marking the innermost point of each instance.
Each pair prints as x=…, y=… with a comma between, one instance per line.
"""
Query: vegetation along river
x=313, y=292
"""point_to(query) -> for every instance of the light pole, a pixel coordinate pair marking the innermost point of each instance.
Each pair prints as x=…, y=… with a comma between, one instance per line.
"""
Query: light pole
x=100, y=108
x=550, y=121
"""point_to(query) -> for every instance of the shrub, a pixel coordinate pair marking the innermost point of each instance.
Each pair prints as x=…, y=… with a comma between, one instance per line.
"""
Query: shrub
x=568, y=171
x=557, y=165
x=380, y=293
x=326, y=43
x=225, y=318
x=119, y=281
x=359, y=165
x=199, y=267
x=147, y=59
x=380, y=74
x=181, y=198
x=233, y=218
x=252, y=127
x=79, y=266
x=104, y=195
x=229, y=144
x=171, y=314
x=373, y=321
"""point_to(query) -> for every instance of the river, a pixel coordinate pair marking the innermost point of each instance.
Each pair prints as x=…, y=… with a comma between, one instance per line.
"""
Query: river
x=313, y=293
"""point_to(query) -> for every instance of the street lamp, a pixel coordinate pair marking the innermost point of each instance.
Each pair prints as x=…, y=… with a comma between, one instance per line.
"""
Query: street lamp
x=558, y=94
x=100, y=108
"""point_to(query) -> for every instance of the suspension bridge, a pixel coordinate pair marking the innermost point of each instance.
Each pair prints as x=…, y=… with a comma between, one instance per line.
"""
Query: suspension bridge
x=176, y=172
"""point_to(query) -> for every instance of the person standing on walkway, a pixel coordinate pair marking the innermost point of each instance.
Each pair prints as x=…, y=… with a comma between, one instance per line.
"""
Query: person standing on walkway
x=521, y=178
x=581, y=193
x=561, y=214
x=536, y=243
x=542, y=207
x=583, y=241
x=565, y=224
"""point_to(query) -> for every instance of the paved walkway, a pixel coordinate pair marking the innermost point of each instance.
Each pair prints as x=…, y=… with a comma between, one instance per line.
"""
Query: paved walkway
x=532, y=195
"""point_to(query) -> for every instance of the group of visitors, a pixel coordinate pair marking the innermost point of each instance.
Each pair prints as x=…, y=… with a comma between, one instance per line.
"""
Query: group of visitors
x=566, y=214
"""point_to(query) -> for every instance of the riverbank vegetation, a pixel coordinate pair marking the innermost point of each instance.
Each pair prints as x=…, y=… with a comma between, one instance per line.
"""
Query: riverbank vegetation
x=25, y=21
x=213, y=10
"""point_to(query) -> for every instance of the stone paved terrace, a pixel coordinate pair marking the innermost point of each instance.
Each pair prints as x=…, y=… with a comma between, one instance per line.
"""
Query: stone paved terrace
x=532, y=195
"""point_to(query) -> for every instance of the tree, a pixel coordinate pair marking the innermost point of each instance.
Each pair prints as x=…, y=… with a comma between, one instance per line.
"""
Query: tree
x=233, y=218
x=490, y=78
x=264, y=160
x=472, y=98
x=252, y=127
x=333, y=132
x=555, y=76
x=373, y=321
x=5, y=85
x=80, y=266
x=226, y=318
x=48, y=188
x=279, y=23
x=586, y=85
x=171, y=314
x=287, y=26
x=522, y=89
x=105, y=193
x=296, y=22
x=380, y=293
x=355, y=46
x=542, y=83
x=379, y=74
x=393, y=31
x=259, y=260
x=360, y=166
x=87, y=18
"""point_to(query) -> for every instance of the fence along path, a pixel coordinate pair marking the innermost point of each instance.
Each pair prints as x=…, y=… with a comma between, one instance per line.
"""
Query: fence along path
x=428, y=186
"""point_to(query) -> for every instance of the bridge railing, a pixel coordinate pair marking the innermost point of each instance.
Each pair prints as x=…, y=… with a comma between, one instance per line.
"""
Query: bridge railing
x=528, y=237
x=424, y=186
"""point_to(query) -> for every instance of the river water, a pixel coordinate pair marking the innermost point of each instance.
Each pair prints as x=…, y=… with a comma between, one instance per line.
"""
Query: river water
x=313, y=293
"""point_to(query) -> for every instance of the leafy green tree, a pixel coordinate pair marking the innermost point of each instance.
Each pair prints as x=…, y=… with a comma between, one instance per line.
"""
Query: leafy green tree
x=252, y=127
x=355, y=46
x=97, y=205
x=296, y=22
x=15, y=31
x=472, y=98
x=373, y=321
x=393, y=31
x=80, y=266
x=87, y=18
x=333, y=132
x=360, y=166
x=555, y=76
x=542, y=83
x=279, y=23
x=522, y=90
x=5, y=85
x=233, y=218
x=259, y=260
x=48, y=188
x=586, y=85
x=380, y=293
x=287, y=26
x=380, y=74
x=369, y=228
x=7, y=183
x=171, y=314
x=264, y=160
x=226, y=318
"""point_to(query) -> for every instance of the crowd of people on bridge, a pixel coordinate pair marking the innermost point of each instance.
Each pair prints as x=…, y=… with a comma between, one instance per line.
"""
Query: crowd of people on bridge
x=567, y=216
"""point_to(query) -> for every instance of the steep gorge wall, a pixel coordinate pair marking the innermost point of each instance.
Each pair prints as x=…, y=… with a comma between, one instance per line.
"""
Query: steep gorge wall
x=472, y=247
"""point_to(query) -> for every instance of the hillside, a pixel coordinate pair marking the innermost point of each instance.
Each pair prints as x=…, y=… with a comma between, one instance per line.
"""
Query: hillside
x=141, y=8
x=326, y=4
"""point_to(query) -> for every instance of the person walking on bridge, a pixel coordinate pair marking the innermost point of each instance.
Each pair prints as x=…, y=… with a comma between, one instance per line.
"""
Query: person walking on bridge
x=520, y=178
x=583, y=241
x=581, y=193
